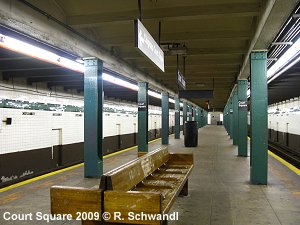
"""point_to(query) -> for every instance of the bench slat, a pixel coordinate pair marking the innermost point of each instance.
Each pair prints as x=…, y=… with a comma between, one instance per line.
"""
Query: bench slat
x=167, y=204
x=132, y=201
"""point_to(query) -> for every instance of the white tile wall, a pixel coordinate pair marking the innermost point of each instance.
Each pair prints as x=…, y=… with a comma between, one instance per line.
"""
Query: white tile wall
x=35, y=131
x=286, y=119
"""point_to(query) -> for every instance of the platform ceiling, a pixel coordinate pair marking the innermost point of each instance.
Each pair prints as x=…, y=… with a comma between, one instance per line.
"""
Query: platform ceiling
x=217, y=34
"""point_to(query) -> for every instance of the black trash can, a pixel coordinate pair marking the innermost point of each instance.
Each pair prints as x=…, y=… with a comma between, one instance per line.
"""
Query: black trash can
x=190, y=134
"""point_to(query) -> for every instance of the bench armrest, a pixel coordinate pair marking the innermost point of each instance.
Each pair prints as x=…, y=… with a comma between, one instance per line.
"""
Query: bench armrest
x=71, y=200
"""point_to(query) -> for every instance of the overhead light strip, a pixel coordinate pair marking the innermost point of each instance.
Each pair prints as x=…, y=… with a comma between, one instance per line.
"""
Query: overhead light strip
x=50, y=57
x=38, y=53
x=285, y=62
x=123, y=83
x=118, y=81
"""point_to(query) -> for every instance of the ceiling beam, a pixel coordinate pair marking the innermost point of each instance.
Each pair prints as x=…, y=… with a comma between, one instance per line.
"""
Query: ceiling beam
x=13, y=66
x=286, y=84
x=196, y=78
x=194, y=66
x=39, y=68
x=286, y=89
x=191, y=72
x=194, y=59
x=215, y=35
x=13, y=58
x=36, y=74
x=120, y=93
x=219, y=11
x=58, y=71
x=191, y=52
x=209, y=73
x=64, y=83
x=55, y=79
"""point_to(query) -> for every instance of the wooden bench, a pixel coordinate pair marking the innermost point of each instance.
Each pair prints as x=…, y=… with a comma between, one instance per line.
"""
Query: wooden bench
x=148, y=184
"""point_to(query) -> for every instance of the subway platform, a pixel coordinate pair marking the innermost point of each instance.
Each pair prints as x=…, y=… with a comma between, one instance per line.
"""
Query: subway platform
x=219, y=188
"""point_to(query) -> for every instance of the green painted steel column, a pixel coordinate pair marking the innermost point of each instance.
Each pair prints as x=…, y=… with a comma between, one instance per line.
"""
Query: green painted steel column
x=93, y=120
x=243, y=111
x=187, y=112
x=259, y=118
x=190, y=107
x=204, y=118
x=231, y=119
x=184, y=114
x=224, y=117
x=235, y=118
x=227, y=119
x=165, y=118
x=197, y=117
x=194, y=113
x=177, y=118
x=143, y=101
x=200, y=117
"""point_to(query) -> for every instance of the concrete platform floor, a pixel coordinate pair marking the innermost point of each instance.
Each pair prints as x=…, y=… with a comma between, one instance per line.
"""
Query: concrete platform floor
x=219, y=188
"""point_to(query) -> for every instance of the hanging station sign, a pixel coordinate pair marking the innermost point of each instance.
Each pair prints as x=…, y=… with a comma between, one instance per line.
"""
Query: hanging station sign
x=147, y=45
x=181, y=80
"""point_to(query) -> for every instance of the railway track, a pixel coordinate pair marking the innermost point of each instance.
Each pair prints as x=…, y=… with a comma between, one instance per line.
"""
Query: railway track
x=287, y=154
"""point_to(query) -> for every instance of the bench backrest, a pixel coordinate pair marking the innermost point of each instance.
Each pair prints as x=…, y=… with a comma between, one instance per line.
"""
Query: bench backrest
x=127, y=176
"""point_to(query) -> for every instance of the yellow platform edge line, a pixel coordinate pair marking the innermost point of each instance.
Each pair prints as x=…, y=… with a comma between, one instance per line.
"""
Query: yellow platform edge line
x=126, y=149
x=39, y=177
x=63, y=170
x=287, y=164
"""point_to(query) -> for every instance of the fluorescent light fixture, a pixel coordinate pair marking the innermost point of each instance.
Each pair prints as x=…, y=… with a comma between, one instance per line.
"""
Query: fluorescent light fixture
x=172, y=100
x=79, y=60
x=284, y=59
x=38, y=53
x=47, y=56
x=248, y=93
x=118, y=81
x=283, y=70
x=158, y=95
x=154, y=94
x=123, y=83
